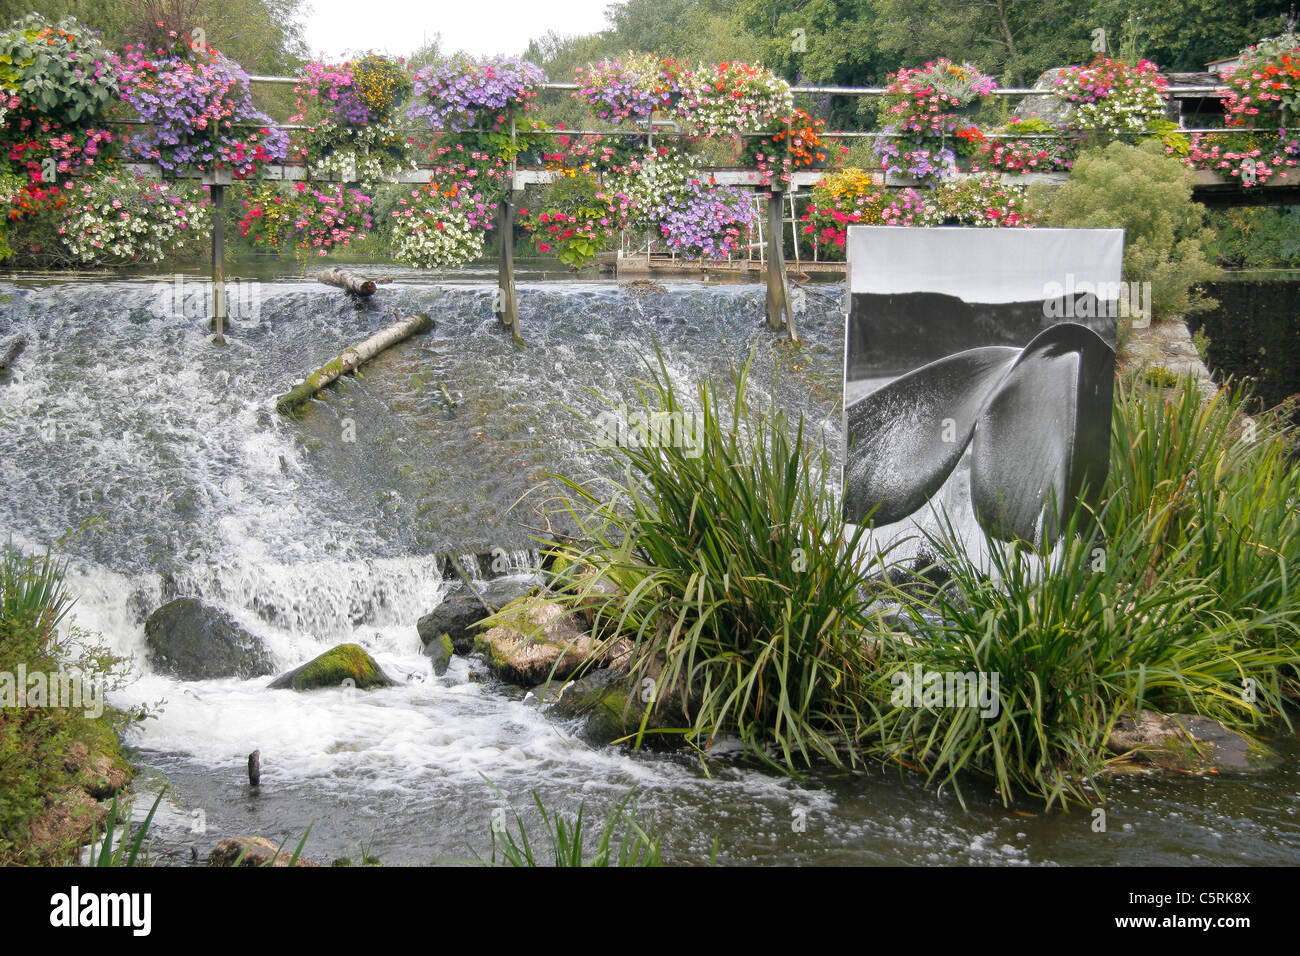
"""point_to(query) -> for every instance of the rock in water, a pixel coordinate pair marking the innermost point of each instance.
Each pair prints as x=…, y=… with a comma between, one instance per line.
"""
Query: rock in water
x=538, y=641
x=191, y=640
x=334, y=667
x=460, y=611
x=252, y=851
x=439, y=650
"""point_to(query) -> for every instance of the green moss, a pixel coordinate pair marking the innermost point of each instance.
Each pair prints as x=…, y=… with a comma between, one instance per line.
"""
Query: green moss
x=331, y=669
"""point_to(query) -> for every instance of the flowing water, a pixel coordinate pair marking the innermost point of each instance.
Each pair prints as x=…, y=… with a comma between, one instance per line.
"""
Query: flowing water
x=156, y=462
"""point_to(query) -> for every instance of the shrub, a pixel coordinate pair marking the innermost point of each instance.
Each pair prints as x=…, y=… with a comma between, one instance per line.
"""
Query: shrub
x=1149, y=195
x=60, y=72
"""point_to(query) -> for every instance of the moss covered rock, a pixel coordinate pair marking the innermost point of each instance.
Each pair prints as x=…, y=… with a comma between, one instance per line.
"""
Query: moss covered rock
x=439, y=651
x=1187, y=742
x=612, y=707
x=533, y=640
x=347, y=662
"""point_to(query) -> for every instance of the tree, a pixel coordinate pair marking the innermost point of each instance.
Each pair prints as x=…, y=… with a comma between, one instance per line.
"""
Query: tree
x=1189, y=34
x=1015, y=40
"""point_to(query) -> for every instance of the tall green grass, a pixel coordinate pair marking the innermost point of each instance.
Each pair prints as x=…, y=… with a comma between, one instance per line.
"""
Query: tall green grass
x=731, y=575
x=1175, y=595
x=728, y=570
x=622, y=841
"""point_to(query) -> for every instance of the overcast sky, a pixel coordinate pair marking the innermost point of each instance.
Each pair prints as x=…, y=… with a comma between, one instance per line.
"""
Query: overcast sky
x=480, y=27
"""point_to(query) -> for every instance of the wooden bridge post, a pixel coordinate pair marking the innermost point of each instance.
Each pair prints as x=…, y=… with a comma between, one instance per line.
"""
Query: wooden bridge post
x=780, y=315
x=507, y=307
x=217, y=181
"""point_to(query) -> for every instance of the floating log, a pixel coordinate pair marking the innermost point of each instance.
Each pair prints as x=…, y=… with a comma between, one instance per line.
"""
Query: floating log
x=349, y=360
x=11, y=350
x=351, y=281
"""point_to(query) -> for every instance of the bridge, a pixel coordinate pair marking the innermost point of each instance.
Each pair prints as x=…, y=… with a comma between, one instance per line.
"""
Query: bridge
x=1187, y=90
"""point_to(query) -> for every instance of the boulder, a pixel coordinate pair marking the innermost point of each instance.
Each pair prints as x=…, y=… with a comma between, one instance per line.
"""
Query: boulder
x=252, y=851
x=461, y=610
x=612, y=707
x=1047, y=106
x=191, y=640
x=532, y=641
x=439, y=650
x=331, y=669
x=1186, y=742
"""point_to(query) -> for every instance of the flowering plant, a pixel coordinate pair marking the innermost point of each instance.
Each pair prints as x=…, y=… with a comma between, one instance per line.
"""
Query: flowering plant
x=1267, y=81
x=356, y=93
x=573, y=222
x=631, y=88
x=193, y=105
x=61, y=71
x=916, y=117
x=122, y=218
x=793, y=142
x=1112, y=97
x=1251, y=156
x=706, y=220
x=648, y=184
x=731, y=98
x=323, y=216
x=850, y=197
x=1025, y=146
x=918, y=100
x=981, y=202
x=442, y=223
x=458, y=94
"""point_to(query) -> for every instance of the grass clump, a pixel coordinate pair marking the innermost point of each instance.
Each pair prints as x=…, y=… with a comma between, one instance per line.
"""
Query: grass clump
x=622, y=840
x=728, y=571
x=724, y=565
x=1175, y=595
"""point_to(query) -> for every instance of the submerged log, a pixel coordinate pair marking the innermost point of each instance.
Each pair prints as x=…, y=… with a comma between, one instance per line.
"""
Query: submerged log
x=351, y=281
x=11, y=350
x=349, y=360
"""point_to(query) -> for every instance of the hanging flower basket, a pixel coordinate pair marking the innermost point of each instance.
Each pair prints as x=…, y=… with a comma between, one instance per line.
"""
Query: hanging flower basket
x=462, y=94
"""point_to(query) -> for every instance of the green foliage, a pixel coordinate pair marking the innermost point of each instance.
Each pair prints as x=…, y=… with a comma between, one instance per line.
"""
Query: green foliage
x=35, y=741
x=729, y=570
x=1256, y=237
x=123, y=854
x=622, y=840
x=52, y=68
x=1149, y=195
x=1184, y=35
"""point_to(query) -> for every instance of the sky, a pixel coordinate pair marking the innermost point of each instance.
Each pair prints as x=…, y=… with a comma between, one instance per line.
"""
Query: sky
x=482, y=28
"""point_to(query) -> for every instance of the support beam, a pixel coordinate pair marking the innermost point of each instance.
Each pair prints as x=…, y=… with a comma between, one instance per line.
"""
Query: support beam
x=780, y=315
x=219, y=261
x=507, y=307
